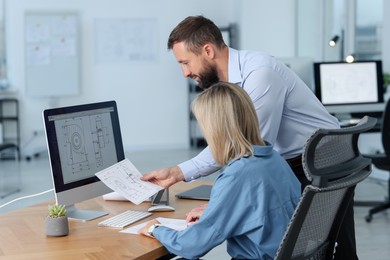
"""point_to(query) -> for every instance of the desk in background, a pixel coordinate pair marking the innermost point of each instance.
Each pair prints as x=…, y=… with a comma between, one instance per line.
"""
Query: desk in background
x=23, y=233
x=354, y=118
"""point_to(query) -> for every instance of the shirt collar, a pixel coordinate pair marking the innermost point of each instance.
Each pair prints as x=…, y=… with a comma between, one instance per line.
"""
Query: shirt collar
x=258, y=151
x=234, y=73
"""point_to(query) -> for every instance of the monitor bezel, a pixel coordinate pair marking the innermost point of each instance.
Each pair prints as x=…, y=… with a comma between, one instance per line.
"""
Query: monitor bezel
x=54, y=154
x=379, y=86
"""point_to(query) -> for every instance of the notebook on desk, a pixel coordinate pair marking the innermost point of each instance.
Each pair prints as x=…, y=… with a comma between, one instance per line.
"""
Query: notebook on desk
x=201, y=192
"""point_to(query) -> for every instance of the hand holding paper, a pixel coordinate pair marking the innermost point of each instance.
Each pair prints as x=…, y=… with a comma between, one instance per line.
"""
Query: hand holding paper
x=124, y=178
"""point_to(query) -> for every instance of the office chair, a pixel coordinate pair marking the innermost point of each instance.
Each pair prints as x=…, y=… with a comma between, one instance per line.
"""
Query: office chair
x=334, y=166
x=382, y=162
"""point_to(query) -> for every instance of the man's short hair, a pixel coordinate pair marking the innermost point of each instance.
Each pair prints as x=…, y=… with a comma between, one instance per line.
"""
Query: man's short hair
x=196, y=31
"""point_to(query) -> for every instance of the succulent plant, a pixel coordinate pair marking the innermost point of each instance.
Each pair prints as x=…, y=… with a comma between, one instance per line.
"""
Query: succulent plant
x=56, y=211
x=386, y=80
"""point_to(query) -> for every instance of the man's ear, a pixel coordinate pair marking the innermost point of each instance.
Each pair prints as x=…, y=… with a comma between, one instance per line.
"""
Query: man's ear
x=208, y=51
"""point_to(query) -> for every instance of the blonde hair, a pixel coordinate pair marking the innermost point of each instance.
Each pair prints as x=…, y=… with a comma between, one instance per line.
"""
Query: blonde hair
x=228, y=120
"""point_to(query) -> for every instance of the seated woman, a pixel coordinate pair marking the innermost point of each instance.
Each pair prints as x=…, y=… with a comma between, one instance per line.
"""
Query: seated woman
x=253, y=198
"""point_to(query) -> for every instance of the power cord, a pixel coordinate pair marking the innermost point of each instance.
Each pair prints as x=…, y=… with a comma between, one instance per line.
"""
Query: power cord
x=25, y=197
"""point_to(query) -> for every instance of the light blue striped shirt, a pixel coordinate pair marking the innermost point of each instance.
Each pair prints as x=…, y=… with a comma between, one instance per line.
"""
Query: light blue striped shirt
x=288, y=111
x=251, y=204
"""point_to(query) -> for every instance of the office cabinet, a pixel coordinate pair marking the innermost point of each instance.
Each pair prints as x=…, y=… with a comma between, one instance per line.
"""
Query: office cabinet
x=9, y=146
x=9, y=124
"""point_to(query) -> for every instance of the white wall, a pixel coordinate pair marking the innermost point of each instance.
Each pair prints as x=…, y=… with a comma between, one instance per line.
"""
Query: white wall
x=268, y=26
x=152, y=97
x=386, y=36
x=310, y=29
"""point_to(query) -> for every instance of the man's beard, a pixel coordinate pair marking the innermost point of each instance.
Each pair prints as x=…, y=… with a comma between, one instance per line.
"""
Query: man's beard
x=208, y=76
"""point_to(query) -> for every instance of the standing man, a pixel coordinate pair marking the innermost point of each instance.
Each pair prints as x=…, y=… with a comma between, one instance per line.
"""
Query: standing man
x=287, y=109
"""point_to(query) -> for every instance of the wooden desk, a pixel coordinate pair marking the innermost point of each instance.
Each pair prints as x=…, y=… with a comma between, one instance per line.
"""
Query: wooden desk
x=22, y=234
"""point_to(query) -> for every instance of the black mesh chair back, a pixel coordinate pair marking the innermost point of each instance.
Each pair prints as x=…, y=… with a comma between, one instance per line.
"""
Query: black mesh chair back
x=386, y=131
x=334, y=165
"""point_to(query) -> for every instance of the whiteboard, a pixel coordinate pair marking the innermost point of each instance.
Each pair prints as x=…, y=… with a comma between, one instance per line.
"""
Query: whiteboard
x=52, y=54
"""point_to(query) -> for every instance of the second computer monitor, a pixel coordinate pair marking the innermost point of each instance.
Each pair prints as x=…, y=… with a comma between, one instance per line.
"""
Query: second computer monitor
x=350, y=87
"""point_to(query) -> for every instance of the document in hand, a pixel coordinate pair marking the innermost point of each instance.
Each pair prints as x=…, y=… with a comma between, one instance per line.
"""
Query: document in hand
x=124, y=178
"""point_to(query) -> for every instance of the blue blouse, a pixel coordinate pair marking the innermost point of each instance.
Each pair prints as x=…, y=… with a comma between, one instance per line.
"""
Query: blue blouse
x=251, y=204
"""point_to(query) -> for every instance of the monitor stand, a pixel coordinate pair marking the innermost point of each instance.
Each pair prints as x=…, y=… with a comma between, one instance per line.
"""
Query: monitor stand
x=84, y=215
x=160, y=201
x=161, y=198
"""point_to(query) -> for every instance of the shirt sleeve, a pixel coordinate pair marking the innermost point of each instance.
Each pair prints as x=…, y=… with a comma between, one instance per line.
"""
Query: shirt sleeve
x=187, y=243
x=265, y=88
x=201, y=165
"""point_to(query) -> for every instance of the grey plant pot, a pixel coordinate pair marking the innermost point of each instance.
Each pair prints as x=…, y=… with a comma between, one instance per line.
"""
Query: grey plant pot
x=57, y=227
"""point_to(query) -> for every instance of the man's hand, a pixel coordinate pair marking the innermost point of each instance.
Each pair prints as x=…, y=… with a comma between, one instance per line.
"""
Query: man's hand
x=164, y=177
x=144, y=230
x=194, y=215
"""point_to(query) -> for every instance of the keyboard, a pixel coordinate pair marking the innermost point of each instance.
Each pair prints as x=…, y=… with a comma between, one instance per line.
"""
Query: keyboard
x=124, y=219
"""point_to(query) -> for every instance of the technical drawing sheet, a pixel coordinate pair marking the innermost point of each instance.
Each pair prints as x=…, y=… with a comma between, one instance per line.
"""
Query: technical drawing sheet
x=124, y=178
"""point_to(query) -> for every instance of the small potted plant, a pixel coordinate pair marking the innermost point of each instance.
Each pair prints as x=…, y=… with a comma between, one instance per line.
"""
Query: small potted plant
x=57, y=221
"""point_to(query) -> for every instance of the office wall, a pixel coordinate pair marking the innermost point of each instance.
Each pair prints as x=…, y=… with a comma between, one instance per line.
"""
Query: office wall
x=386, y=36
x=268, y=26
x=152, y=97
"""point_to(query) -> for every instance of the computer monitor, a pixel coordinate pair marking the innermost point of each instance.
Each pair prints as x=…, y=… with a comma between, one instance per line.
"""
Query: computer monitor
x=81, y=141
x=348, y=88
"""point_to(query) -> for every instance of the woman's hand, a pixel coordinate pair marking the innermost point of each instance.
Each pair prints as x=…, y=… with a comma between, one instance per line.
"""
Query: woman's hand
x=144, y=230
x=194, y=215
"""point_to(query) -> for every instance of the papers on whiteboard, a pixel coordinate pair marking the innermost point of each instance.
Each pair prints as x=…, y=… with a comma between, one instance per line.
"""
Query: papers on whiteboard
x=176, y=224
x=124, y=178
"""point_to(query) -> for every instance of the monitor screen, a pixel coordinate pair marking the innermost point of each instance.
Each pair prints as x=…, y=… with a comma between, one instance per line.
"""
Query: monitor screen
x=349, y=87
x=82, y=140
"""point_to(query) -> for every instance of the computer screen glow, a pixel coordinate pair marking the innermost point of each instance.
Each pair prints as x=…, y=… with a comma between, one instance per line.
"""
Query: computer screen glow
x=349, y=87
x=82, y=140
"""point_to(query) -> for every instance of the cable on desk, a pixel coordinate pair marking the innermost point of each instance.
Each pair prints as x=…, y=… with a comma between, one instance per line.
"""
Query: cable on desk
x=25, y=197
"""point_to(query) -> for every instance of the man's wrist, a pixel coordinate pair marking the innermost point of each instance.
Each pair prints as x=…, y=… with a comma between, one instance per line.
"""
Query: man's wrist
x=177, y=174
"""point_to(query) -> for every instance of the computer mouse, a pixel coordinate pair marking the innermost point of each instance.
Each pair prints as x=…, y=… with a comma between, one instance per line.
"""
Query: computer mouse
x=161, y=208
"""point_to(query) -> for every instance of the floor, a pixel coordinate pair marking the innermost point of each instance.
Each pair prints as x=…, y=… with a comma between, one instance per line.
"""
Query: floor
x=372, y=238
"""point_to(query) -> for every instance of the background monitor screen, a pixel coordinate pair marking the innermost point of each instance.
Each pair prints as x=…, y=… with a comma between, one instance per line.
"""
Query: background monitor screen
x=82, y=140
x=349, y=87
